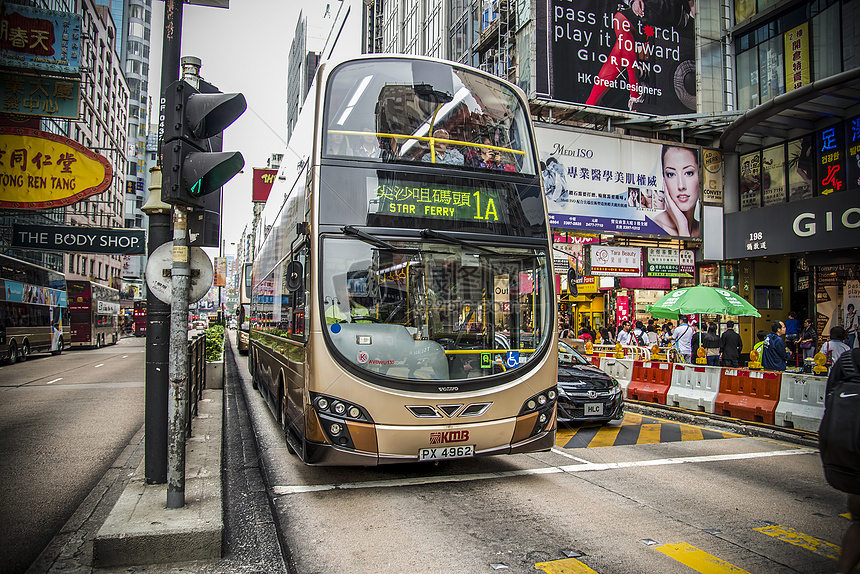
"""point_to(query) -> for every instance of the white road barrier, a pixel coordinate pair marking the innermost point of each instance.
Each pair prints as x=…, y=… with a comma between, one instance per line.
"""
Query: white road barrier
x=694, y=387
x=801, y=401
x=620, y=369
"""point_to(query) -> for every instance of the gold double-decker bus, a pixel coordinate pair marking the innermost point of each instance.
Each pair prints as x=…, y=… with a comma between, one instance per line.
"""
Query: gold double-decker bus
x=402, y=305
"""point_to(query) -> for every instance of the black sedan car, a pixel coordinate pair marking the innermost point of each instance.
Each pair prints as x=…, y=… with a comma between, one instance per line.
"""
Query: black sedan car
x=585, y=393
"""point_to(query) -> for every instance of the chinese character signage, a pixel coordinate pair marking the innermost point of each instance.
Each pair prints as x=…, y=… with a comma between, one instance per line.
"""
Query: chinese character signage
x=598, y=184
x=797, y=57
x=615, y=261
x=38, y=39
x=664, y=262
x=263, y=180
x=40, y=170
x=639, y=57
x=831, y=160
x=39, y=95
x=852, y=136
x=409, y=199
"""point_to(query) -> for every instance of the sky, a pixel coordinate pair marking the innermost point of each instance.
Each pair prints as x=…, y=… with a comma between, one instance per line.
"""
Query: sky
x=243, y=49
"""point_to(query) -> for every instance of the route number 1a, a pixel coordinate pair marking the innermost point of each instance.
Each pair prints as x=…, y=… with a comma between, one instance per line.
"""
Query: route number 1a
x=490, y=212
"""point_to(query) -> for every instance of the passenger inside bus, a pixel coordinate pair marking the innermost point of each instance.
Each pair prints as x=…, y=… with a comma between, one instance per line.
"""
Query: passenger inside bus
x=442, y=152
x=490, y=158
x=368, y=146
x=338, y=144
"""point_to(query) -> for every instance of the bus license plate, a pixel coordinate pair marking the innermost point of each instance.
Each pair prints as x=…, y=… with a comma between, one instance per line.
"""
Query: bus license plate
x=444, y=452
x=593, y=409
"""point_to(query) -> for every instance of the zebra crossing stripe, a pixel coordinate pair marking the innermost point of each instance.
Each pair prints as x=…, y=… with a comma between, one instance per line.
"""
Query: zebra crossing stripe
x=565, y=566
x=698, y=560
x=792, y=536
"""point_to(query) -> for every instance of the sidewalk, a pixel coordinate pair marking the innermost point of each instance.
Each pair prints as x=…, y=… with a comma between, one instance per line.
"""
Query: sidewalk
x=227, y=508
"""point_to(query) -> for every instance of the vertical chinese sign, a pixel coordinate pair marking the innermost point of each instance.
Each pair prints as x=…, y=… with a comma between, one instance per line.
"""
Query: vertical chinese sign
x=831, y=160
x=797, y=57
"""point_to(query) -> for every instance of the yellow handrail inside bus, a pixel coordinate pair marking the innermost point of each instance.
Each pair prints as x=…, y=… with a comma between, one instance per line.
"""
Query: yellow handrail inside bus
x=427, y=139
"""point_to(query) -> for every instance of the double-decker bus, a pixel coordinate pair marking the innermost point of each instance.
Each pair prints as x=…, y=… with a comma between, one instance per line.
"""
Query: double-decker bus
x=243, y=310
x=34, y=314
x=403, y=305
x=139, y=318
x=94, y=313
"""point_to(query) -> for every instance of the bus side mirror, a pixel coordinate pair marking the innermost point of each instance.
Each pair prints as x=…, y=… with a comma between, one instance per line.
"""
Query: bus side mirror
x=294, y=276
x=571, y=282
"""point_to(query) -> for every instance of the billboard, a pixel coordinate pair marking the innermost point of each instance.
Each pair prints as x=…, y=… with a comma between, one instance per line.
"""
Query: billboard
x=40, y=170
x=602, y=184
x=263, y=181
x=79, y=239
x=638, y=57
x=37, y=39
x=31, y=95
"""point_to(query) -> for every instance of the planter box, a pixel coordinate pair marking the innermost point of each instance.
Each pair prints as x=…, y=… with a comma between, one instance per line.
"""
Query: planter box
x=215, y=375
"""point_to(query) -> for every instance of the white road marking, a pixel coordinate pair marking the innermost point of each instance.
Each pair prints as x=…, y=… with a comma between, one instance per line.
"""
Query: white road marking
x=587, y=467
x=54, y=381
x=99, y=365
x=557, y=450
x=125, y=356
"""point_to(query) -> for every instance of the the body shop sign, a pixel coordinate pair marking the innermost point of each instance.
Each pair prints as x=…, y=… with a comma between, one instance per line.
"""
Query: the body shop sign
x=40, y=170
x=615, y=261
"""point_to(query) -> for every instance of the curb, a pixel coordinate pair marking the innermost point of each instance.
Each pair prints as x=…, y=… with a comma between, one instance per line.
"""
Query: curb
x=140, y=529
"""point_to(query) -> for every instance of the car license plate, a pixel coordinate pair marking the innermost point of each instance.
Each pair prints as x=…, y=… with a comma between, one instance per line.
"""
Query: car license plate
x=593, y=409
x=444, y=452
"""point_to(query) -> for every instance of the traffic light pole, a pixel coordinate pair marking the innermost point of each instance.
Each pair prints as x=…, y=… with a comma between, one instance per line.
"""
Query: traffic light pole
x=178, y=392
x=157, y=328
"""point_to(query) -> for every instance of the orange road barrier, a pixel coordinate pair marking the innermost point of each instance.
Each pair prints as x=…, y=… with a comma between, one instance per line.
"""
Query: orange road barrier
x=650, y=381
x=748, y=395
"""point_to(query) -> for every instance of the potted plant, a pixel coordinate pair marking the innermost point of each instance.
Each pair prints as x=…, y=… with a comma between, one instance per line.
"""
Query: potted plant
x=215, y=357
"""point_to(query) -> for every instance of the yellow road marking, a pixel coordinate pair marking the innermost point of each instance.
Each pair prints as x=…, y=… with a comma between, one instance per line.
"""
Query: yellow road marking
x=631, y=419
x=846, y=515
x=792, y=536
x=565, y=566
x=691, y=433
x=605, y=436
x=649, y=434
x=698, y=560
x=562, y=436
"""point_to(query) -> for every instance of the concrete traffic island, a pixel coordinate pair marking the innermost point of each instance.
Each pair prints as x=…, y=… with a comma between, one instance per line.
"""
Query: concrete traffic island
x=142, y=530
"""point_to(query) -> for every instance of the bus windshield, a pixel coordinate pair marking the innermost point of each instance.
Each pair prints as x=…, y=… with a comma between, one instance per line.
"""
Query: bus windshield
x=423, y=111
x=434, y=310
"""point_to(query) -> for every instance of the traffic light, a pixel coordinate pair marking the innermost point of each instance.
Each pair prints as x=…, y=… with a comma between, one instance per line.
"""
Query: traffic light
x=191, y=168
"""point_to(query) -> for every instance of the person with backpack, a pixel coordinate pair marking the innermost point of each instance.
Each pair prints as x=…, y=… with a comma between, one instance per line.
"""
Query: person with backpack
x=833, y=348
x=564, y=332
x=639, y=337
x=839, y=445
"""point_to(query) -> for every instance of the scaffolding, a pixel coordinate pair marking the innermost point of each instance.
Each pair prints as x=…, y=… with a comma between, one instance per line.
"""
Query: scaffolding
x=496, y=43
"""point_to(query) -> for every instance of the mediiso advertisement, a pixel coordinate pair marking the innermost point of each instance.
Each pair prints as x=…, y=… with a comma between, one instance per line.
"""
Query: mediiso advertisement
x=603, y=184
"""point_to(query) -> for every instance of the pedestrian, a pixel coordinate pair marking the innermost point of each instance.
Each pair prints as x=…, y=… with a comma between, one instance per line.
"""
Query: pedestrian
x=792, y=330
x=651, y=331
x=731, y=346
x=710, y=342
x=683, y=337
x=808, y=340
x=606, y=337
x=833, y=348
x=850, y=325
x=624, y=335
x=564, y=332
x=665, y=335
x=849, y=557
x=761, y=334
x=639, y=337
x=774, y=353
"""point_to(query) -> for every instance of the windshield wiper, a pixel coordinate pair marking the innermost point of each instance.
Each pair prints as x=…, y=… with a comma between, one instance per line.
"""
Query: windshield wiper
x=373, y=240
x=456, y=240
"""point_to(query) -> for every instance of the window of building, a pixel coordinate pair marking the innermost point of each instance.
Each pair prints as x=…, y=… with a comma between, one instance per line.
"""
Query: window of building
x=827, y=56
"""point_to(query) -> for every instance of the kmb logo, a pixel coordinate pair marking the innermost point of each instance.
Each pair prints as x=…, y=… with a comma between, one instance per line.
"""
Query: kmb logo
x=450, y=436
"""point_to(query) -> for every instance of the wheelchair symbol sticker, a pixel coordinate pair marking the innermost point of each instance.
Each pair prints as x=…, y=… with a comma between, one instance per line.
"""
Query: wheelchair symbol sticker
x=513, y=359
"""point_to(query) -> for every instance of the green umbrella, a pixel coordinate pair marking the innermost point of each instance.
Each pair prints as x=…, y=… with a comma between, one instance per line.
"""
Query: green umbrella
x=701, y=299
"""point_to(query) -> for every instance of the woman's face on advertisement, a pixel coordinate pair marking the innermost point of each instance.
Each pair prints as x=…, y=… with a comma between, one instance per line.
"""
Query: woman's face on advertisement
x=681, y=177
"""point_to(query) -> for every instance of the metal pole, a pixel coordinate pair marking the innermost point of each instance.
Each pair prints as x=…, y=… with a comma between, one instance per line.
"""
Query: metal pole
x=178, y=396
x=157, y=326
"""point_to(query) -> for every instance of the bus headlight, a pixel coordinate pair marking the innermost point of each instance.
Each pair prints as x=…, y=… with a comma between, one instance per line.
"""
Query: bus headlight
x=335, y=429
x=339, y=408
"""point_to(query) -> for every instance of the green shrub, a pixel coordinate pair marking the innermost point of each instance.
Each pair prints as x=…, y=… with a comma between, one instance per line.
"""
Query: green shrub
x=214, y=343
